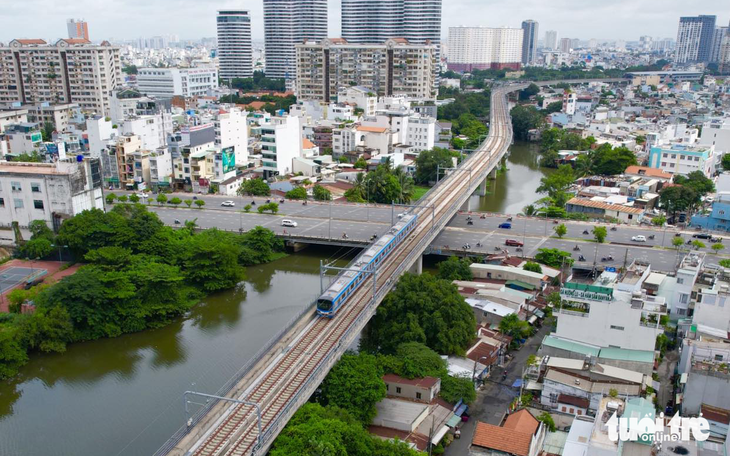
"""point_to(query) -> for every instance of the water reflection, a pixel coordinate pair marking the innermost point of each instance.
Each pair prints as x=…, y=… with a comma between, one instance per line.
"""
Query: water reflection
x=515, y=189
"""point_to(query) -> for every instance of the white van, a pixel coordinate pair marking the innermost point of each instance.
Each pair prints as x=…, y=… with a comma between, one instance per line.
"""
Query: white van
x=289, y=223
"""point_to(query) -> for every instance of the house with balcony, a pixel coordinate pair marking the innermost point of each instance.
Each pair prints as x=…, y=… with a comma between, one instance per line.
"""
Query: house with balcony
x=682, y=159
x=280, y=141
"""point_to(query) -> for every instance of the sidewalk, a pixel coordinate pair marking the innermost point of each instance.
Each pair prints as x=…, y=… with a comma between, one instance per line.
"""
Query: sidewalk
x=494, y=397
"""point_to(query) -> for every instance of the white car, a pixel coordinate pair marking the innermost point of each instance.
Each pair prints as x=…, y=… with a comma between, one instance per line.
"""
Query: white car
x=228, y=203
x=401, y=215
x=639, y=238
x=289, y=223
x=143, y=195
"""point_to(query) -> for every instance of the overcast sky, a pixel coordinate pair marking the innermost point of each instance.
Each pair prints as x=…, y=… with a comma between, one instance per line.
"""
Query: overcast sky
x=190, y=19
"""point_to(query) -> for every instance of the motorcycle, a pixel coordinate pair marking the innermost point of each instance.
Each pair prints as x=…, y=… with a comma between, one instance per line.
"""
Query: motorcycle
x=509, y=219
x=581, y=258
x=253, y=203
x=281, y=201
x=586, y=232
x=651, y=236
x=482, y=216
x=576, y=249
x=373, y=237
x=519, y=249
x=498, y=249
x=469, y=222
x=479, y=244
x=608, y=258
x=344, y=236
x=466, y=246
x=613, y=228
x=177, y=222
x=304, y=203
x=555, y=222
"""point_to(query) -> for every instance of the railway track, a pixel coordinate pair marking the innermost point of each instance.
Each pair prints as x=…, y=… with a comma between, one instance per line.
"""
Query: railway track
x=235, y=433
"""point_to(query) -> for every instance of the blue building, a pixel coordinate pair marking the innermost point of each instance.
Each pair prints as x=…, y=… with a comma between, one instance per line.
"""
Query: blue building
x=682, y=159
x=719, y=218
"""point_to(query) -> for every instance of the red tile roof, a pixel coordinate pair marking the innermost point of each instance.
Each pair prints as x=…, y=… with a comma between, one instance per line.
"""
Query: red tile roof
x=522, y=421
x=648, y=172
x=425, y=382
x=31, y=41
x=482, y=350
x=716, y=414
x=574, y=400
x=502, y=439
x=372, y=129
x=76, y=40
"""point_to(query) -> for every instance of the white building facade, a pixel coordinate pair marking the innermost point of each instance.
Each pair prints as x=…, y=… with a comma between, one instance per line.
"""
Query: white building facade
x=481, y=48
x=170, y=82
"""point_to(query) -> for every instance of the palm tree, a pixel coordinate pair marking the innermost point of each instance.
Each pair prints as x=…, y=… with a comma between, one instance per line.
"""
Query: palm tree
x=406, y=184
x=529, y=210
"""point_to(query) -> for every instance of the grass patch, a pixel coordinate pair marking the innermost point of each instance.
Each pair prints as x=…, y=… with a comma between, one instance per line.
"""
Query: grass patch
x=419, y=191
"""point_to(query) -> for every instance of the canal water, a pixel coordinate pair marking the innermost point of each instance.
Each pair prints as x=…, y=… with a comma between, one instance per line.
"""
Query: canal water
x=515, y=189
x=122, y=396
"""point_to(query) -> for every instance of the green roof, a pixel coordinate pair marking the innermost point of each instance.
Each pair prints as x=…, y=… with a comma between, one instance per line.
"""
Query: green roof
x=575, y=347
x=589, y=288
x=520, y=284
x=453, y=421
x=622, y=354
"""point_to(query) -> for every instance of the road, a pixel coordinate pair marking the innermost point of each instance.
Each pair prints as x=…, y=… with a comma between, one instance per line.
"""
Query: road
x=285, y=376
x=360, y=223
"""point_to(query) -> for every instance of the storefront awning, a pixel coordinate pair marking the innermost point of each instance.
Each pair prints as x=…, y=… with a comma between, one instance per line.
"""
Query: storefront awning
x=439, y=435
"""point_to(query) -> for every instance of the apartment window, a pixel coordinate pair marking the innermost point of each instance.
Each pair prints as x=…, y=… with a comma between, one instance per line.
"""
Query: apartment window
x=18, y=203
x=681, y=311
x=15, y=186
x=683, y=298
x=397, y=389
x=718, y=357
x=35, y=187
x=680, y=280
x=418, y=395
x=619, y=328
x=664, y=164
x=38, y=204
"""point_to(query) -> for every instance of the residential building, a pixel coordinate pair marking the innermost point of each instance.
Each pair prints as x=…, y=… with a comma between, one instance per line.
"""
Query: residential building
x=421, y=132
x=25, y=138
x=716, y=133
x=153, y=129
x=529, y=42
x=127, y=103
x=724, y=56
x=521, y=434
x=424, y=389
x=368, y=22
x=69, y=71
x=77, y=28
x=694, y=39
x=51, y=192
x=231, y=136
x=287, y=22
x=281, y=142
x=564, y=45
x=58, y=115
x=551, y=40
x=13, y=116
x=508, y=274
x=593, y=207
x=394, y=67
x=129, y=150
x=704, y=374
x=170, y=82
x=719, y=217
x=683, y=159
x=358, y=139
x=717, y=37
x=605, y=316
x=160, y=164
x=585, y=380
x=361, y=97
x=480, y=48
x=235, y=56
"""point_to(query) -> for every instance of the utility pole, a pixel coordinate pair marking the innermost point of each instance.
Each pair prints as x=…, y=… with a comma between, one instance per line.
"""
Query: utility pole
x=329, y=230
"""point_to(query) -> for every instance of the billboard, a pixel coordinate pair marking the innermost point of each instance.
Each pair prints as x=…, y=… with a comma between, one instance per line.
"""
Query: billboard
x=228, y=156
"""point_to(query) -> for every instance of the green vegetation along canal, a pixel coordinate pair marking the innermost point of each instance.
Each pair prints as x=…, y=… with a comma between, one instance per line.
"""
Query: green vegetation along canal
x=122, y=396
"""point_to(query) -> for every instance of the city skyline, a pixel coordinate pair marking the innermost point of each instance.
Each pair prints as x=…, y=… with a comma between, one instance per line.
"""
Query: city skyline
x=131, y=19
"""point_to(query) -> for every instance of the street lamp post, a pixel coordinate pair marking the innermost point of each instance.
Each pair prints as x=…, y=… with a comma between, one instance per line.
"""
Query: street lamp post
x=474, y=371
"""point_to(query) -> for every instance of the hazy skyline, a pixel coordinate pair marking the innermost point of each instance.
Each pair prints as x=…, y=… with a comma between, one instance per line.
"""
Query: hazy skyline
x=192, y=19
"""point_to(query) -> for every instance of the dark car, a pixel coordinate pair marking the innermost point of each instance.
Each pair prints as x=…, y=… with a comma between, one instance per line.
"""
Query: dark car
x=513, y=243
x=702, y=236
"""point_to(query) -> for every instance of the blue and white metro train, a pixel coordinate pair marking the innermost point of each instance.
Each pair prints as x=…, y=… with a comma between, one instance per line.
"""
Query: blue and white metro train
x=348, y=281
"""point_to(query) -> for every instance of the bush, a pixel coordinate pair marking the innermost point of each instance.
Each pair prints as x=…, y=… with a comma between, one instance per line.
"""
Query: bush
x=298, y=193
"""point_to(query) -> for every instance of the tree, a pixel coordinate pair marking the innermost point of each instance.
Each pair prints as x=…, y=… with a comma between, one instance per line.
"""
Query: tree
x=321, y=194
x=557, y=184
x=429, y=161
x=384, y=185
x=12, y=354
x=678, y=199
x=37, y=248
x=677, y=242
x=532, y=266
x=355, y=384
x=297, y=193
x=176, y=201
x=561, y=230
x=454, y=268
x=512, y=326
x=547, y=420
x=425, y=309
x=458, y=388
x=600, y=233
x=717, y=247
x=659, y=220
x=134, y=198
x=725, y=263
x=554, y=258
x=122, y=198
x=528, y=92
x=697, y=181
x=726, y=162
x=698, y=244
x=211, y=260
x=247, y=208
x=188, y=202
x=110, y=197
x=255, y=187
x=200, y=203
x=161, y=199
x=271, y=207
x=361, y=163
x=524, y=119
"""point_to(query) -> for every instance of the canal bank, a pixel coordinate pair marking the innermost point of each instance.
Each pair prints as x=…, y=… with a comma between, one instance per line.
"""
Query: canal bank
x=123, y=396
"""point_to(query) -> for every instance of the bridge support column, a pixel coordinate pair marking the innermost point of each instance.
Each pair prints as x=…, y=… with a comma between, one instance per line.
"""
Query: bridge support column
x=482, y=189
x=466, y=207
x=417, y=267
x=493, y=173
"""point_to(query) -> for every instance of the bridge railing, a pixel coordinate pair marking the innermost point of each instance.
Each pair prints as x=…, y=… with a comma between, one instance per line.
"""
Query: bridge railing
x=305, y=390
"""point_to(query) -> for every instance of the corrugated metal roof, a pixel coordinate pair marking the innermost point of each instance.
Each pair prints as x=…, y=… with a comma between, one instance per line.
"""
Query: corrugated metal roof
x=642, y=356
x=572, y=346
x=600, y=205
